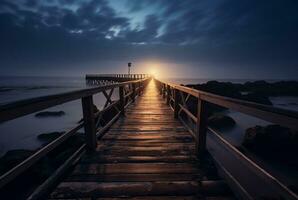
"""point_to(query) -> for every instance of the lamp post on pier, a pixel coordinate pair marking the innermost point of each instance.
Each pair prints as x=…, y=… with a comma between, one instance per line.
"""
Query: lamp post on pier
x=129, y=66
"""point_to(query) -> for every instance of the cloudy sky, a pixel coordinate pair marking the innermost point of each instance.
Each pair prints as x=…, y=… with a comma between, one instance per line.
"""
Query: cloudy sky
x=175, y=38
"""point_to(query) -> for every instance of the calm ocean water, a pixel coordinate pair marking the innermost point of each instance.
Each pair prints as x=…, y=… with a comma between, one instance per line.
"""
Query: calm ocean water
x=22, y=132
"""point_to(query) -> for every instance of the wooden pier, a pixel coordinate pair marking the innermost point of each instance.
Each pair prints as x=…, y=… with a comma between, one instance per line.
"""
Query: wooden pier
x=154, y=146
x=146, y=154
x=101, y=79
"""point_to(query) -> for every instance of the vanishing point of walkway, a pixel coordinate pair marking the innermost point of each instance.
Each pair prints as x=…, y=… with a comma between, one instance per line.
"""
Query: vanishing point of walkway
x=145, y=155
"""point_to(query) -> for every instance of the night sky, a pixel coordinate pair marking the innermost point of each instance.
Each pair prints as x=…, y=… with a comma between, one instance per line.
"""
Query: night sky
x=176, y=38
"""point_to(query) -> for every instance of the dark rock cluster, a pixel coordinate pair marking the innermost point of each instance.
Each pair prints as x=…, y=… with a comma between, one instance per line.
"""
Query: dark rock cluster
x=258, y=91
x=273, y=141
x=221, y=121
x=50, y=114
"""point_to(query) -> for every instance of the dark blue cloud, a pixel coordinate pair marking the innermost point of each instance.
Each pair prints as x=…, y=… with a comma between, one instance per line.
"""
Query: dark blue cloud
x=220, y=32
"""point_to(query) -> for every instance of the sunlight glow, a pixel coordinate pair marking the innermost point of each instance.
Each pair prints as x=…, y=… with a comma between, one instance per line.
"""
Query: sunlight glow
x=153, y=72
x=153, y=68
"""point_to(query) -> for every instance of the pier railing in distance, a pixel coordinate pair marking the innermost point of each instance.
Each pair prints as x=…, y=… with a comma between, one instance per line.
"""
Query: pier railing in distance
x=94, y=79
x=133, y=76
x=128, y=91
x=177, y=97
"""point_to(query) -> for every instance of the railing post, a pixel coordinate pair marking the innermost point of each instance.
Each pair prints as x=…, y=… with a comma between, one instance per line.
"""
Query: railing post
x=160, y=88
x=140, y=89
x=201, y=127
x=121, y=99
x=163, y=91
x=133, y=92
x=176, y=103
x=89, y=124
x=168, y=94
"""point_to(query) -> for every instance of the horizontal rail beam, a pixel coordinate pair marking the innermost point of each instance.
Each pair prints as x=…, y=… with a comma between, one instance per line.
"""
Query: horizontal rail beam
x=186, y=111
x=46, y=186
x=272, y=114
x=20, y=168
x=20, y=108
x=279, y=116
x=24, y=107
x=267, y=177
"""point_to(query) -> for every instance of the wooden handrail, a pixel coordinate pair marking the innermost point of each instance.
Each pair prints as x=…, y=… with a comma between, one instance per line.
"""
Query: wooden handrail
x=132, y=76
x=24, y=107
x=24, y=165
x=278, y=186
x=17, y=109
x=272, y=114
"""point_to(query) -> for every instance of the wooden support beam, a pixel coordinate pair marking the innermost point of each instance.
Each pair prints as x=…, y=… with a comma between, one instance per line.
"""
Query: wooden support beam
x=201, y=131
x=89, y=124
x=133, y=92
x=140, y=88
x=159, y=85
x=121, y=100
x=176, y=103
x=163, y=91
x=168, y=94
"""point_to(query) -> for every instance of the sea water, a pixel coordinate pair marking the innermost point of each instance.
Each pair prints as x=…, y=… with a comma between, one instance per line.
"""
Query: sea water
x=21, y=133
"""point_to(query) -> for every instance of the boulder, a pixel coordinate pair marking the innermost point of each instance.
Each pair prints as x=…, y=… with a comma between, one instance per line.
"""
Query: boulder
x=49, y=136
x=273, y=142
x=271, y=137
x=221, y=121
x=12, y=158
x=50, y=114
x=257, y=98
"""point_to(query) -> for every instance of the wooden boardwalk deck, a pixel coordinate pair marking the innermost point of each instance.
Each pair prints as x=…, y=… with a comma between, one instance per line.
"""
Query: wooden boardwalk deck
x=145, y=155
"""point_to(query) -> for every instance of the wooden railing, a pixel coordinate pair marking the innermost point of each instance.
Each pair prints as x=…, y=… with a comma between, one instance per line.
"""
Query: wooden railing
x=132, y=76
x=128, y=91
x=195, y=120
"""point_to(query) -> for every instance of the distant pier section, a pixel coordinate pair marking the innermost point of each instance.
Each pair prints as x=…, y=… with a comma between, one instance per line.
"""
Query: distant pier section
x=101, y=79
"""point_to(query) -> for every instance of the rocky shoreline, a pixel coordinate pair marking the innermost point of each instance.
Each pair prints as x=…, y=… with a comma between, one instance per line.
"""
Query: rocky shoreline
x=262, y=140
x=273, y=142
x=258, y=91
x=40, y=171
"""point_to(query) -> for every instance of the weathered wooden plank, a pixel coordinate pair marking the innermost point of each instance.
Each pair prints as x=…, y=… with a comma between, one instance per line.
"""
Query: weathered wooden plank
x=158, y=198
x=138, y=159
x=145, y=155
x=137, y=168
x=148, y=137
x=132, y=149
x=156, y=127
x=148, y=122
x=152, y=142
x=132, y=177
x=135, y=132
x=147, y=152
x=153, y=145
x=116, y=189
